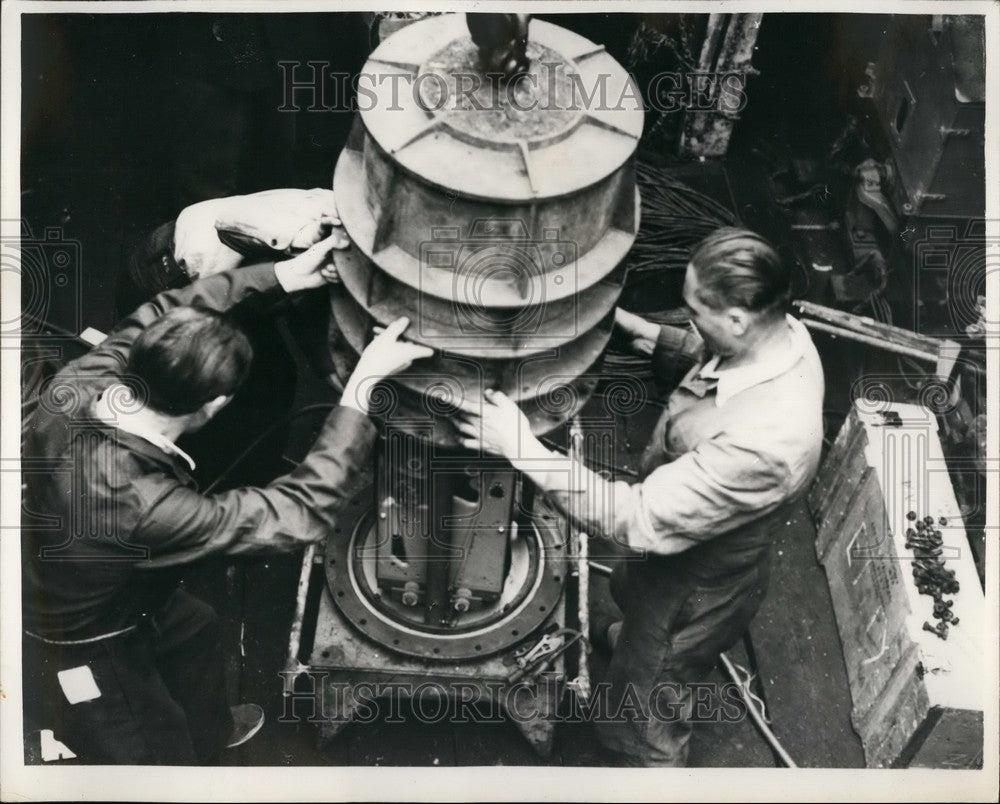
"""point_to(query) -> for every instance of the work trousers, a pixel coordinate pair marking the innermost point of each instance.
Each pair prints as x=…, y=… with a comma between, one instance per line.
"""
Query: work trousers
x=674, y=628
x=162, y=691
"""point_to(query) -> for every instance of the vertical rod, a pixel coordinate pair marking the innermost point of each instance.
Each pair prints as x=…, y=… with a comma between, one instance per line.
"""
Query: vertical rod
x=293, y=667
x=437, y=601
x=580, y=547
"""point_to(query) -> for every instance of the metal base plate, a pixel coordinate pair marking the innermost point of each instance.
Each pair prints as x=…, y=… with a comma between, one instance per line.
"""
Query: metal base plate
x=346, y=669
x=535, y=584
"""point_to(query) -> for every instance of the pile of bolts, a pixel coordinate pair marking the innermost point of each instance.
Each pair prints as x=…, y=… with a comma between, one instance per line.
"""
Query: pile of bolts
x=929, y=572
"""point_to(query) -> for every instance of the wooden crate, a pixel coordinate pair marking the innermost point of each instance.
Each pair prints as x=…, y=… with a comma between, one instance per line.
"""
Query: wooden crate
x=917, y=699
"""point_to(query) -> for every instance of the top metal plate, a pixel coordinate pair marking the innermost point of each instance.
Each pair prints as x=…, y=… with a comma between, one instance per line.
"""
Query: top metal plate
x=574, y=120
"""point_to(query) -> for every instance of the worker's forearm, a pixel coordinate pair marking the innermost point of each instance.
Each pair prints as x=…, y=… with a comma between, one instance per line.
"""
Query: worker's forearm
x=677, y=342
x=675, y=351
x=356, y=394
x=536, y=461
x=582, y=495
x=335, y=468
x=181, y=525
x=645, y=336
x=220, y=293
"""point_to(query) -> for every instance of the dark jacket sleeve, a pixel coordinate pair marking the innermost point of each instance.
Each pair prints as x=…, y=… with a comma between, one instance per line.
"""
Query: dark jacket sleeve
x=676, y=350
x=180, y=525
x=220, y=292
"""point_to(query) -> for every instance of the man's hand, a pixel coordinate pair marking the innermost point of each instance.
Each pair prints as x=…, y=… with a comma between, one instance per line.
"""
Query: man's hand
x=283, y=220
x=384, y=356
x=503, y=429
x=498, y=429
x=312, y=268
x=641, y=334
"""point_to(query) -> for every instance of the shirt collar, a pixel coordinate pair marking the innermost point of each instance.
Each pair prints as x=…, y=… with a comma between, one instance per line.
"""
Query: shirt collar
x=773, y=364
x=164, y=443
x=105, y=413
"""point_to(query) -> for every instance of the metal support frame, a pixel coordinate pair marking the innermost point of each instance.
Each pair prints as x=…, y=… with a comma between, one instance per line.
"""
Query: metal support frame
x=580, y=542
x=343, y=661
x=726, y=50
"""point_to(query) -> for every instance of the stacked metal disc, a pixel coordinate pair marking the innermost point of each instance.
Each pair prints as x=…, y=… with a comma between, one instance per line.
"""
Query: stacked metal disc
x=495, y=214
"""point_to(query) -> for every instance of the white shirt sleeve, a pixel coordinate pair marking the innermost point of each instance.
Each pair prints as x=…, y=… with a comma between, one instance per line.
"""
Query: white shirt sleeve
x=725, y=482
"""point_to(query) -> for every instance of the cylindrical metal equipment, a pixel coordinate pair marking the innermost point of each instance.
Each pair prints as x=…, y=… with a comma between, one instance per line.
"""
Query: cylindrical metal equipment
x=495, y=215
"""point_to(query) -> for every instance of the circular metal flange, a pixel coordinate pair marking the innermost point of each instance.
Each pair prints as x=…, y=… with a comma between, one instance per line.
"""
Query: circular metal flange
x=581, y=124
x=518, y=377
x=428, y=241
x=431, y=416
x=477, y=330
x=425, y=398
x=533, y=591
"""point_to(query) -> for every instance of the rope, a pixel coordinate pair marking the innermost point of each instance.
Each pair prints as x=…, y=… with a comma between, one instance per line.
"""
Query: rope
x=759, y=718
x=675, y=218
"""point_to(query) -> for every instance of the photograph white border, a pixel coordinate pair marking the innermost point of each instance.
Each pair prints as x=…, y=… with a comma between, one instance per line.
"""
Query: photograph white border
x=30, y=783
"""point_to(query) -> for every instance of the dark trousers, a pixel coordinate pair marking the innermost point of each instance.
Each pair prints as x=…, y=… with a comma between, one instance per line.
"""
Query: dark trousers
x=674, y=628
x=162, y=691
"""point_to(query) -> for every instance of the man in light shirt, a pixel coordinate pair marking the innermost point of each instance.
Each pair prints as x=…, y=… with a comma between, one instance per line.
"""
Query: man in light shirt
x=738, y=441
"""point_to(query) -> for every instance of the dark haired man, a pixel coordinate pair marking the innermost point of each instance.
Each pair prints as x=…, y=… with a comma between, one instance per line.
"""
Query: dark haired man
x=739, y=438
x=216, y=235
x=120, y=663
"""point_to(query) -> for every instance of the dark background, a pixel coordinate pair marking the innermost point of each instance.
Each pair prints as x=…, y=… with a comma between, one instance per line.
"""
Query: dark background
x=129, y=118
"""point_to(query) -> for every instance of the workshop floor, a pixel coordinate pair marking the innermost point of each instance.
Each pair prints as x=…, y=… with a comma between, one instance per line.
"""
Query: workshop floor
x=792, y=648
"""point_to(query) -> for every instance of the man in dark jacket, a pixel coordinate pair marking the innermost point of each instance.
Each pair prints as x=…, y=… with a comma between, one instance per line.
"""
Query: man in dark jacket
x=119, y=662
x=264, y=226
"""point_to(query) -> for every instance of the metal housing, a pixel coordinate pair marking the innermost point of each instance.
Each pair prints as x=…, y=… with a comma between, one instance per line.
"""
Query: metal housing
x=496, y=221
